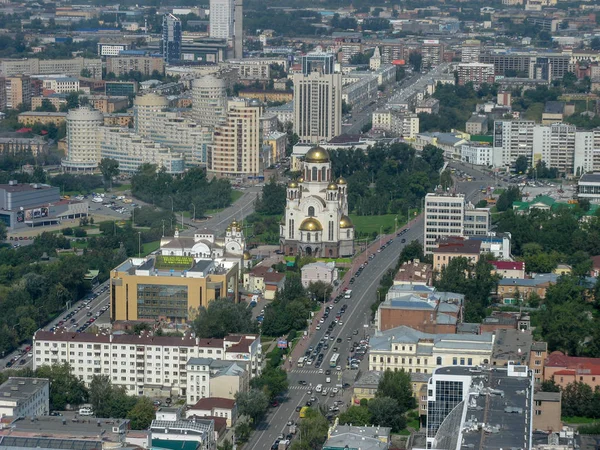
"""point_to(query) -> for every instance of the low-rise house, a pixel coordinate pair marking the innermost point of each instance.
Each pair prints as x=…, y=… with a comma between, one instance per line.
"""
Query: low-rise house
x=207, y=377
x=274, y=281
x=564, y=369
x=319, y=271
x=511, y=290
x=264, y=280
x=455, y=247
x=509, y=269
x=215, y=406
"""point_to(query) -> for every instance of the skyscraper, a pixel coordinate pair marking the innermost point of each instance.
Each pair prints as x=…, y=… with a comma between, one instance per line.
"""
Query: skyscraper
x=238, y=29
x=317, y=99
x=209, y=98
x=83, y=151
x=171, y=38
x=221, y=18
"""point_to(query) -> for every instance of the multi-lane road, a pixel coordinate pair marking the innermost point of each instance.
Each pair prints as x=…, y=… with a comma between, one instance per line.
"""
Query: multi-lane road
x=353, y=320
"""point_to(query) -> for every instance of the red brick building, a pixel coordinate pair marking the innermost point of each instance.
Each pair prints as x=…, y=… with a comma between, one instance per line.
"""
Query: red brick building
x=564, y=369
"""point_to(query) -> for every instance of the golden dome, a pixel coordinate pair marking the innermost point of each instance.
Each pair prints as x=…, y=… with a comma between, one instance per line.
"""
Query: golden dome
x=234, y=224
x=301, y=180
x=341, y=180
x=293, y=185
x=247, y=255
x=345, y=222
x=311, y=224
x=317, y=155
x=332, y=187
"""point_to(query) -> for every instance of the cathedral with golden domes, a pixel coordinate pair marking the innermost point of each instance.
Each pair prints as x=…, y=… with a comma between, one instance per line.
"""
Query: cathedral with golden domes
x=316, y=221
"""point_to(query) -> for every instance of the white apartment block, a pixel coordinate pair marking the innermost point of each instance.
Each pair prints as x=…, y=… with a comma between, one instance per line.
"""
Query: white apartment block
x=555, y=145
x=255, y=68
x=221, y=18
x=24, y=397
x=400, y=123
x=450, y=215
x=143, y=365
x=470, y=51
x=480, y=155
x=317, y=106
x=559, y=145
x=512, y=138
x=131, y=151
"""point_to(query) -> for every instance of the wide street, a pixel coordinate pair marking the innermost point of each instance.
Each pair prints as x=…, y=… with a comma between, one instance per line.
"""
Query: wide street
x=353, y=320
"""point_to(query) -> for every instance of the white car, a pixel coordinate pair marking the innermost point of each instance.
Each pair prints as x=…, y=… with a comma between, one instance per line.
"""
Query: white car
x=335, y=390
x=338, y=368
x=320, y=370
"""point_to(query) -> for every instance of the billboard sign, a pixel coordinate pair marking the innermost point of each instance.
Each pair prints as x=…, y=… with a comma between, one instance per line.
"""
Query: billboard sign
x=35, y=213
x=282, y=343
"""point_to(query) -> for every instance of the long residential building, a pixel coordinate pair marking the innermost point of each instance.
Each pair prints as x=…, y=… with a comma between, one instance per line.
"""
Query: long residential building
x=400, y=123
x=143, y=365
x=414, y=351
x=559, y=145
x=146, y=64
x=33, y=66
x=545, y=66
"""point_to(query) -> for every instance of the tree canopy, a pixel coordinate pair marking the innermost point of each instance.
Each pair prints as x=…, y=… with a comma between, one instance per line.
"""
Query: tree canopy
x=223, y=317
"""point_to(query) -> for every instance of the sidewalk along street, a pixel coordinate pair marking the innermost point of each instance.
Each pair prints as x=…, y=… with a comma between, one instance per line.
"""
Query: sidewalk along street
x=301, y=347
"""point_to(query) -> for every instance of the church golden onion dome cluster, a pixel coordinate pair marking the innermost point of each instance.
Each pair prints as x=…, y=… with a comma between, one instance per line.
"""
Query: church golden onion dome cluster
x=332, y=187
x=311, y=224
x=345, y=222
x=247, y=255
x=341, y=180
x=293, y=185
x=301, y=180
x=317, y=155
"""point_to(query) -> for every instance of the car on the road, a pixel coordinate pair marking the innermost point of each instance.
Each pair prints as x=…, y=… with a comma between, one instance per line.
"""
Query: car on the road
x=274, y=404
x=328, y=372
x=355, y=332
x=302, y=382
x=403, y=240
x=338, y=368
x=335, y=349
x=308, y=403
x=298, y=408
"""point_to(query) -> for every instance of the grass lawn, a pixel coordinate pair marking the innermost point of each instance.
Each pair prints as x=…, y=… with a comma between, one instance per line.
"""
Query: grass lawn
x=373, y=224
x=101, y=190
x=149, y=247
x=404, y=432
x=80, y=244
x=578, y=420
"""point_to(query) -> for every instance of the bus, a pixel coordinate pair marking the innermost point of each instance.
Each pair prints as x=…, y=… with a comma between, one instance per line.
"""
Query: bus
x=301, y=361
x=334, y=360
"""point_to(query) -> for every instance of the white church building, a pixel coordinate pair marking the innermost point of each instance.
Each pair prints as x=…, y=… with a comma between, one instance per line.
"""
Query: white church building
x=316, y=221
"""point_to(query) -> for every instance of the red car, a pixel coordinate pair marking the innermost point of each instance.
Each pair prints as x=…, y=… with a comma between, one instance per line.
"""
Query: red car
x=274, y=403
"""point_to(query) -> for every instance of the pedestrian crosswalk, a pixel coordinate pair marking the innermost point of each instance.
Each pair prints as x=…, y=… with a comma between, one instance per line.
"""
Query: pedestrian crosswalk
x=307, y=371
x=299, y=387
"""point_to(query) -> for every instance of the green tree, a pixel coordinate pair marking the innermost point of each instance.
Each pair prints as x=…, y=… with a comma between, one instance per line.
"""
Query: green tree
x=319, y=290
x=273, y=382
x=549, y=386
x=226, y=445
x=3, y=231
x=46, y=106
x=72, y=100
x=595, y=43
x=252, y=403
x=313, y=431
x=446, y=180
x=65, y=388
x=577, y=400
x=356, y=415
x=142, y=414
x=272, y=200
x=397, y=385
x=109, y=168
x=222, y=317
x=386, y=412
x=521, y=164
x=415, y=59
x=101, y=395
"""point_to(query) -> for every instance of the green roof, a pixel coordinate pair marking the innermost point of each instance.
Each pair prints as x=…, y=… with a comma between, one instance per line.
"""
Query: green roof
x=174, y=445
x=520, y=206
x=482, y=138
x=546, y=200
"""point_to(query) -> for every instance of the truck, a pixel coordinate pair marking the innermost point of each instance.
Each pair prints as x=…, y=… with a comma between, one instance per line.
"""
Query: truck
x=303, y=412
x=348, y=293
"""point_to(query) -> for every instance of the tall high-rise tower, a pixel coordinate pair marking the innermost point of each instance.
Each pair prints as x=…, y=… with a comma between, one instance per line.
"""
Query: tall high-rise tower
x=317, y=99
x=83, y=149
x=171, y=38
x=221, y=18
x=238, y=29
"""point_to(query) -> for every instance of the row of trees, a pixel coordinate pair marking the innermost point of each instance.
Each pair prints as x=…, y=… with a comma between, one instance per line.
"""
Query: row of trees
x=393, y=399
x=191, y=192
x=387, y=179
x=68, y=391
x=577, y=399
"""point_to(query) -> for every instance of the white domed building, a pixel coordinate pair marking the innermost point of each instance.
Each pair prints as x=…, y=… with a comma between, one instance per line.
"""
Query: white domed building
x=316, y=221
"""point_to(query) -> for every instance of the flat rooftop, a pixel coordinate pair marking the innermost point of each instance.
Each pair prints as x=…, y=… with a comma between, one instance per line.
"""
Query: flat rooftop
x=18, y=389
x=89, y=429
x=43, y=443
x=498, y=411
